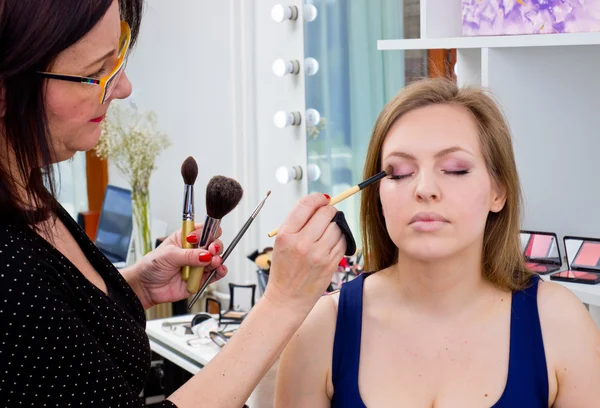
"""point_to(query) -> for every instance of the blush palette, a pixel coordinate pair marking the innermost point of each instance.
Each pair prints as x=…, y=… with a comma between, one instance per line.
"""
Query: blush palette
x=541, y=251
x=585, y=267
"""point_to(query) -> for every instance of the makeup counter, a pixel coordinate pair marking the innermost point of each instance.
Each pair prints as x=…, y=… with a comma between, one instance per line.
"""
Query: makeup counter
x=191, y=349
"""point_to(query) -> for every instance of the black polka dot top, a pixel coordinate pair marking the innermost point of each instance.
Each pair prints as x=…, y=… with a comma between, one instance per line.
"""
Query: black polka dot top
x=63, y=342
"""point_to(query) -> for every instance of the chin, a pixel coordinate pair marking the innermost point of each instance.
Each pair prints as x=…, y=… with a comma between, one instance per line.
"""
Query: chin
x=426, y=248
x=88, y=141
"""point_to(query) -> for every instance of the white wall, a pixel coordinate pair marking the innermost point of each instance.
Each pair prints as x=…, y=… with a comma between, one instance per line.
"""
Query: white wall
x=205, y=68
x=554, y=118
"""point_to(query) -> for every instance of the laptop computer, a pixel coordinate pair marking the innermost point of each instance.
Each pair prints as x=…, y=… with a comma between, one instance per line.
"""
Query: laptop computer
x=115, y=226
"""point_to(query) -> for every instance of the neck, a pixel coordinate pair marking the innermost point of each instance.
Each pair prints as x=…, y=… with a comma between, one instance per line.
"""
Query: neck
x=442, y=287
x=10, y=170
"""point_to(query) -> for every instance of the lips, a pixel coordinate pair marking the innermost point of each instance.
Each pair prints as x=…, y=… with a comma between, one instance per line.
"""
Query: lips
x=98, y=119
x=427, y=217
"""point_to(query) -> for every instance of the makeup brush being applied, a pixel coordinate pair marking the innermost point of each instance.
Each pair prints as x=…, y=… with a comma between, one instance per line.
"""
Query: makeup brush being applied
x=228, y=251
x=189, y=172
x=351, y=191
x=223, y=194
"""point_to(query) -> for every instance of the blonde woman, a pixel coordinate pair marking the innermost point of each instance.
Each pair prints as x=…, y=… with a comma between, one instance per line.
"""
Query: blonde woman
x=450, y=317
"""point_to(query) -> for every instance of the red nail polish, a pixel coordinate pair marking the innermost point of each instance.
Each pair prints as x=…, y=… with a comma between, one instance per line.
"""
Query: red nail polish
x=205, y=257
x=192, y=239
x=327, y=196
x=217, y=248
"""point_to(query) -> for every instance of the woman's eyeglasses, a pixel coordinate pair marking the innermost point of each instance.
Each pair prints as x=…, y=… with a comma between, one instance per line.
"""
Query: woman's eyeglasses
x=108, y=82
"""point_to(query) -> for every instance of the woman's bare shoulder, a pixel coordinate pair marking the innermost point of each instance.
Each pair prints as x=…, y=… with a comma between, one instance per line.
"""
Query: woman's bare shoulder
x=572, y=344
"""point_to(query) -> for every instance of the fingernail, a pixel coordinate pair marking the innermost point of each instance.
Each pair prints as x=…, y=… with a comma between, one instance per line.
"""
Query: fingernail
x=327, y=196
x=205, y=257
x=217, y=248
x=192, y=239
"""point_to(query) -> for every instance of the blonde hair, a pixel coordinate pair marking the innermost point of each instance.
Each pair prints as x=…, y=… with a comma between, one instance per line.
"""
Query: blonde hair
x=503, y=262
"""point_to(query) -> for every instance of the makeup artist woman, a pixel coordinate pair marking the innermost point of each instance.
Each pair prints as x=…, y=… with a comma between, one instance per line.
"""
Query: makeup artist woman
x=72, y=326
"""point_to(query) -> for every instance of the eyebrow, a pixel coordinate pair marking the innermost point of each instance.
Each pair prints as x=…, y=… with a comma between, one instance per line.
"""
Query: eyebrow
x=102, y=58
x=439, y=154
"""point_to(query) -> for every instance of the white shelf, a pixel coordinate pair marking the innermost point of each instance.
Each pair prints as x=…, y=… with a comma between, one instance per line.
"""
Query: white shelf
x=504, y=41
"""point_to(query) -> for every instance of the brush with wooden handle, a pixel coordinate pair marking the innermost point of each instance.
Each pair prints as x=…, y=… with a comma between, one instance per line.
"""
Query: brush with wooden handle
x=351, y=191
x=223, y=194
x=189, y=172
x=228, y=251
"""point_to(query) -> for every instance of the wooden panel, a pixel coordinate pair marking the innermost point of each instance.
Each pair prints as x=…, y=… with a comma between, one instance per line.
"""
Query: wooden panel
x=441, y=63
x=97, y=180
x=90, y=222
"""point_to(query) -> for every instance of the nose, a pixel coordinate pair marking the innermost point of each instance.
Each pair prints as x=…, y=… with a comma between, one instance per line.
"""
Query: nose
x=123, y=88
x=427, y=188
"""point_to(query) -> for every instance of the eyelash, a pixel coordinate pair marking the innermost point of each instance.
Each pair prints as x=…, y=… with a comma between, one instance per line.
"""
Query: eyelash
x=453, y=173
x=98, y=74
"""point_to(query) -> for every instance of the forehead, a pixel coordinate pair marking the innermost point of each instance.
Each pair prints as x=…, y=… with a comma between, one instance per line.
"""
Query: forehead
x=431, y=129
x=102, y=38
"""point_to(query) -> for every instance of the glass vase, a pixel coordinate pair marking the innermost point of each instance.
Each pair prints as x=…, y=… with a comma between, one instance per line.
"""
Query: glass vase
x=141, y=221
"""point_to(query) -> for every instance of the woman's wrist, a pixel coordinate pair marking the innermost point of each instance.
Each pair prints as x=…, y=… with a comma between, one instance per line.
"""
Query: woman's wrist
x=288, y=307
x=132, y=275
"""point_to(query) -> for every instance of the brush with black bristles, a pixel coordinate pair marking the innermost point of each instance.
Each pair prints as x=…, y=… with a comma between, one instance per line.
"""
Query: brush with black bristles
x=223, y=194
x=189, y=172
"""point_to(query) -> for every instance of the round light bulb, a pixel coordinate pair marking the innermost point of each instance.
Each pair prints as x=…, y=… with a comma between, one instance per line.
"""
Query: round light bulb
x=283, y=67
x=280, y=67
x=313, y=117
x=311, y=66
x=280, y=13
x=310, y=13
x=285, y=175
x=281, y=119
x=313, y=172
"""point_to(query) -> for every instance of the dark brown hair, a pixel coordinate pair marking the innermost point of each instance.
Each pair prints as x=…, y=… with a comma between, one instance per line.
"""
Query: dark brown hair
x=32, y=34
x=503, y=262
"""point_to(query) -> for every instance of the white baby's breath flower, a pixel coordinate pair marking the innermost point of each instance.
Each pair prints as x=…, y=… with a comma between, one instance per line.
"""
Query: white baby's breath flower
x=132, y=143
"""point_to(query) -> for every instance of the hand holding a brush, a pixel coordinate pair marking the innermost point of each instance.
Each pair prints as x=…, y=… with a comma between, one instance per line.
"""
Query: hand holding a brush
x=158, y=274
x=306, y=253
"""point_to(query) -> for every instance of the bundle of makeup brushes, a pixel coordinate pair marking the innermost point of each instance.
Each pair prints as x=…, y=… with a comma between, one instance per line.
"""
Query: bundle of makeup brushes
x=223, y=194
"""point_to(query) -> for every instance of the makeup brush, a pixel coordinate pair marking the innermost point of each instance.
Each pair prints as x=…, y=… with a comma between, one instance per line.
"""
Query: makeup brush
x=228, y=251
x=223, y=194
x=189, y=172
x=352, y=190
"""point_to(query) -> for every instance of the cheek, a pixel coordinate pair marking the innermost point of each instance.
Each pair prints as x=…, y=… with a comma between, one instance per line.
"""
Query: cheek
x=67, y=110
x=471, y=203
x=395, y=201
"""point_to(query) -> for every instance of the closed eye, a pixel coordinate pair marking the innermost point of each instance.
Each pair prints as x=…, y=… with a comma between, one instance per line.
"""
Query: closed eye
x=458, y=172
x=399, y=176
x=98, y=74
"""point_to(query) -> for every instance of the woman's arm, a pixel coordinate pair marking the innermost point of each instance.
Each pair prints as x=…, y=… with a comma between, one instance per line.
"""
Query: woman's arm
x=235, y=371
x=306, y=253
x=572, y=340
x=303, y=375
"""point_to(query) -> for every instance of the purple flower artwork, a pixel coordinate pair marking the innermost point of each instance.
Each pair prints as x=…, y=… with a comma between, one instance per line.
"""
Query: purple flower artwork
x=509, y=17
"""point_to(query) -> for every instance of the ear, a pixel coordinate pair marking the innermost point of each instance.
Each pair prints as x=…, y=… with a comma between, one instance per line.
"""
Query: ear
x=498, y=197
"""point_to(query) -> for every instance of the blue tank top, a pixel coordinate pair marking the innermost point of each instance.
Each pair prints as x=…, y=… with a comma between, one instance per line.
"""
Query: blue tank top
x=527, y=383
